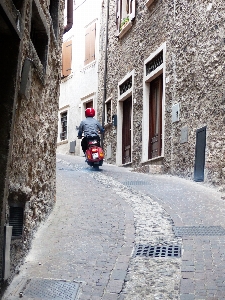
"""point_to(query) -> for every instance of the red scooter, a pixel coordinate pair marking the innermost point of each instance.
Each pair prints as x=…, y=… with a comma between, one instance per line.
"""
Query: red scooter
x=94, y=154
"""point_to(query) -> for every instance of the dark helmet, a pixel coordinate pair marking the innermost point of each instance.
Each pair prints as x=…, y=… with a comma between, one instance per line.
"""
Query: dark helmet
x=90, y=112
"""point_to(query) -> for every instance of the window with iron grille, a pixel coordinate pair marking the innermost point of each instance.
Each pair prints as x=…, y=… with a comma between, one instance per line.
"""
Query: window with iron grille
x=16, y=220
x=63, y=134
x=126, y=85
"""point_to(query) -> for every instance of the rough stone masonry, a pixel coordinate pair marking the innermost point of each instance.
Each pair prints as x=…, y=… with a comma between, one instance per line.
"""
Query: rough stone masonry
x=193, y=70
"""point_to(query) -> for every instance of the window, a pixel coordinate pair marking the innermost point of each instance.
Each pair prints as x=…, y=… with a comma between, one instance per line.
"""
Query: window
x=53, y=10
x=89, y=104
x=90, y=35
x=63, y=134
x=66, y=58
x=108, y=111
x=18, y=4
x=125, y=13
x=38, y=35
x=149, y=3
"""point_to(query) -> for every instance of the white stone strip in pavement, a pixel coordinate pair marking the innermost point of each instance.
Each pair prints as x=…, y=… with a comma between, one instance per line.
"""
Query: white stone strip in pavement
x=148, y=278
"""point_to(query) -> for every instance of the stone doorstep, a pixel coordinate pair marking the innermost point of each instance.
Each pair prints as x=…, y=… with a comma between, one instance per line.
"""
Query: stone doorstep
x=156, y=169
x=151, y=169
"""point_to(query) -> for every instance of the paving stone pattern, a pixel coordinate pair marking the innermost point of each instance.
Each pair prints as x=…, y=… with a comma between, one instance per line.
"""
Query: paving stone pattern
x=90, y=236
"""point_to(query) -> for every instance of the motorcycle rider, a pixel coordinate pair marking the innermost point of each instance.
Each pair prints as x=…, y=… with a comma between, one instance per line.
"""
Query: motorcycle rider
x=90, y=126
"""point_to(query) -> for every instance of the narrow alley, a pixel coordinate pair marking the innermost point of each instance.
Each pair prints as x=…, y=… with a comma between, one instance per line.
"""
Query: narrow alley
x=88, y=247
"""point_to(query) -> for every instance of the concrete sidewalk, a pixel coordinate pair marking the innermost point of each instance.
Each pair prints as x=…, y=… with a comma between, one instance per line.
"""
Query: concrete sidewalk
x=100, y=216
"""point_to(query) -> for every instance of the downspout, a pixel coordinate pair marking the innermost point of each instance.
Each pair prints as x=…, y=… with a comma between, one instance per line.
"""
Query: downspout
x=69, y=16
x=105, y=72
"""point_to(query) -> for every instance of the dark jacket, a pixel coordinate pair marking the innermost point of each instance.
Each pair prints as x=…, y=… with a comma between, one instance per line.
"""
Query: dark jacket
x=90, y=126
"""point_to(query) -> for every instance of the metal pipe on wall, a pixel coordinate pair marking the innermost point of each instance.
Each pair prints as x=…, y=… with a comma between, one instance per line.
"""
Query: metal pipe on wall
x=105, y=72
x=69, y=16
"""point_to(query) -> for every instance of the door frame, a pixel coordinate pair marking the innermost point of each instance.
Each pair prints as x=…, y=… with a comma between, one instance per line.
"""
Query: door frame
x=121, y=98
x=146, y=92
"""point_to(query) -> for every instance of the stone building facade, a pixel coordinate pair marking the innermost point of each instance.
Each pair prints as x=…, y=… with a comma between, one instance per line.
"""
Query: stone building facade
x=164, y=108
x=31, y=32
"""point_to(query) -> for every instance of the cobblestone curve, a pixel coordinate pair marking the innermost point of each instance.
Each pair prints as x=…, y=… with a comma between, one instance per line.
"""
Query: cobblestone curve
x=148, y=278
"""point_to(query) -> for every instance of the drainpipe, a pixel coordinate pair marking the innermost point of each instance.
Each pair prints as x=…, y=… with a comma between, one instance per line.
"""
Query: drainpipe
x=69, y=16
x=105, y=72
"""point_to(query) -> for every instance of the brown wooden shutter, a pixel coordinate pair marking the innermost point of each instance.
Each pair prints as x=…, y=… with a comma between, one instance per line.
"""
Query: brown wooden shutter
x=92, y=42
x=66, y=58
x=87, y=47
x=132, y=5
x=118, y=16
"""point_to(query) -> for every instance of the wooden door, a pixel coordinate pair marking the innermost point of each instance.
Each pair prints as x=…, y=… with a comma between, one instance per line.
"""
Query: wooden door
x=155, y=118
x=126, y=131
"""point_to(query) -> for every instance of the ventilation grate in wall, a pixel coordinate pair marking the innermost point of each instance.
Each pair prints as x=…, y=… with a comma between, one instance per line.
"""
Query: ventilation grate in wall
x=137, y=182
x=16, y=220
x=157, y=251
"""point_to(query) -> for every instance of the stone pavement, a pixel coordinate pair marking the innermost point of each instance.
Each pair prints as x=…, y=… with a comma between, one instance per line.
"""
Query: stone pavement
x=100, y=216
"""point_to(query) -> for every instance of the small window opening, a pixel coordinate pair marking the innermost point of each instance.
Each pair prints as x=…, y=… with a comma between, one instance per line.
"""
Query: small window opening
x=18, y=4
x=16, y=220
x=108, y=111
x=63, y=134
x=54, y=12
x=39, y=35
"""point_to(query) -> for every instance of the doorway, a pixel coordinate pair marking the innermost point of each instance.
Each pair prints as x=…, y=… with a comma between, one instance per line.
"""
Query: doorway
x=126, y=131
x=155, y=118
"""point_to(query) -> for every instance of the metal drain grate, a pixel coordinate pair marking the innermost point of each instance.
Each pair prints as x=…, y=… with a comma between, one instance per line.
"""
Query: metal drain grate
x=136, y=182
x=48, y=289
x=199, y=230
x=157, y=251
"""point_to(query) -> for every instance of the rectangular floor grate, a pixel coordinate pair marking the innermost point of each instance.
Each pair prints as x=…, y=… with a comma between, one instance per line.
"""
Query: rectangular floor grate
x=157, y=251
x=137, y=182
x=198, y=231
x=49, y=289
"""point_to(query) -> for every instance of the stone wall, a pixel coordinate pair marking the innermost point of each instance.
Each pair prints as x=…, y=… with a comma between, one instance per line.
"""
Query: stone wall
x=33, y=157
x=194, y=77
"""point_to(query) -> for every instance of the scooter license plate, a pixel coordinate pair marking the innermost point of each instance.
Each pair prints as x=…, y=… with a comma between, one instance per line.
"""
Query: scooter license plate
x=95, y=155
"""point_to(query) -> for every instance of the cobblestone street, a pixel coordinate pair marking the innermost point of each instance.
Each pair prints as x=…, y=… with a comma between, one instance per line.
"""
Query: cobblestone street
x=99, y=218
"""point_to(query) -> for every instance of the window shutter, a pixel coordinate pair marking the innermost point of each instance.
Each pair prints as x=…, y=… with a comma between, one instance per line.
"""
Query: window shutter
x=118, y=16
x=132, y=5
x=66, y=58
x=87, y=48
x=92, y=42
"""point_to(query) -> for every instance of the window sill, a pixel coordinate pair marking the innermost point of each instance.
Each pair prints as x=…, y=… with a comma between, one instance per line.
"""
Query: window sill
x=64, y=79
x=107, y=125
x=125, y=29
x=149, y=3
x=90, y=65
x=62, y=142
x=155, y=159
